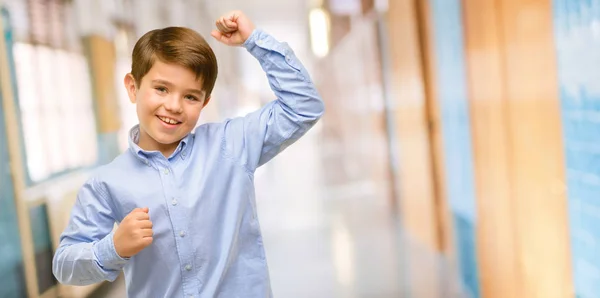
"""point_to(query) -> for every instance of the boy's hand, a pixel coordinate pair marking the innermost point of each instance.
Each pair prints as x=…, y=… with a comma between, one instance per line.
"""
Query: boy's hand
x=234, y=28
x=134, y=233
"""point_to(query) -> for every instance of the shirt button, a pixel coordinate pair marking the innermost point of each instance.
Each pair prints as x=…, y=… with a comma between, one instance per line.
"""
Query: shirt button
x=183, y=154
x=188, y=267
x=174, y=202
x=166, y=171
x=182, y=233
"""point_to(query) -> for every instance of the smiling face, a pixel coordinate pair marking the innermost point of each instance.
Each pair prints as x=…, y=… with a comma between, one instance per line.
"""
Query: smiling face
x=169, y=100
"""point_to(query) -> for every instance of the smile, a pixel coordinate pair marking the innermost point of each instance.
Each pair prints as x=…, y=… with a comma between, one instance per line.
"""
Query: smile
x=168, y=120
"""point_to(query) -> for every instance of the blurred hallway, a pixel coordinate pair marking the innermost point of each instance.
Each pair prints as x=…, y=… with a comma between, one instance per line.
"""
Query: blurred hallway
x=457, y=156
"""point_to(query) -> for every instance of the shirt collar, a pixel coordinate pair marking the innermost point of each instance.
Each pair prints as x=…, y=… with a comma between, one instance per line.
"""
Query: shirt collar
x=143, y=155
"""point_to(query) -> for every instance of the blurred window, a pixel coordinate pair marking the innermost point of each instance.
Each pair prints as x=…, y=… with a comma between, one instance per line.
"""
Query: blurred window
x=53, y=89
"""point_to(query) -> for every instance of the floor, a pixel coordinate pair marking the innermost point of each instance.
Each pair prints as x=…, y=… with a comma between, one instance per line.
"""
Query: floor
x=330, y=234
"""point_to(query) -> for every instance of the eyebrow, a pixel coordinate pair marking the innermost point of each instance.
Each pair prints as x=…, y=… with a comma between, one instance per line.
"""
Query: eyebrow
x=169, y=84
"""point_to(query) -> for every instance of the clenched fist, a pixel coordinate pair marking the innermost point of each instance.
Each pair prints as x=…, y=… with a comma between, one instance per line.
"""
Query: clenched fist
x=134, y=233
x=234, y=28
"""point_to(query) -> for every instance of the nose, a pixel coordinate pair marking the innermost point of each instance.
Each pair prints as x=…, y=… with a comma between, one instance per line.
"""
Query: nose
x=173, y=104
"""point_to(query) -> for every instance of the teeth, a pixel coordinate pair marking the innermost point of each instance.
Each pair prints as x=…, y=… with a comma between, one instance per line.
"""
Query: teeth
x=168, y=120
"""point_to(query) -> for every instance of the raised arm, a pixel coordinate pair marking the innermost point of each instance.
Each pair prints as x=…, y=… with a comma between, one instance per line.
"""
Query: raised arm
x=259, y=136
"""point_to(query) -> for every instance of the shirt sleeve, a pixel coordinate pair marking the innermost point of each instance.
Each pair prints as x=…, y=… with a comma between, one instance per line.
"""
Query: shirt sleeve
x=86, y=253
x=259, y=136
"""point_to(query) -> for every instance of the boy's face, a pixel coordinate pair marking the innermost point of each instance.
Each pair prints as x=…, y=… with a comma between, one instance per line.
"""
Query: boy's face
x=169, y=101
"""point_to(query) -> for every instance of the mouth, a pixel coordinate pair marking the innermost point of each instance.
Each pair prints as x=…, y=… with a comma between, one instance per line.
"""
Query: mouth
x=168, y=120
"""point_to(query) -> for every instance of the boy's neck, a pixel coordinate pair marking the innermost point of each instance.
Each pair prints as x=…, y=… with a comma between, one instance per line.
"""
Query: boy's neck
x=148, y=144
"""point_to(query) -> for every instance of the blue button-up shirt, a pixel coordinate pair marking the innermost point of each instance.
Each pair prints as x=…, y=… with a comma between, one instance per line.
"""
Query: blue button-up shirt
x=207, y=240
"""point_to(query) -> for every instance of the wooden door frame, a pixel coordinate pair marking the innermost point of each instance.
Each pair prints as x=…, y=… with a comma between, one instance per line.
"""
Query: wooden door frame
x=445, y=231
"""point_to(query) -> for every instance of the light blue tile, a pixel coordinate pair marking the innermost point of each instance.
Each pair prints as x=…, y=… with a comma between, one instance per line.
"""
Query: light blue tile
x=40, y=228
x=574, y=25
x=456, y=136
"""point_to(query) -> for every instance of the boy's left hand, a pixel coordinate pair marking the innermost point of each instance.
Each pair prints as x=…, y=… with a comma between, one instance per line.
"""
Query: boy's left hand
x=234, y=28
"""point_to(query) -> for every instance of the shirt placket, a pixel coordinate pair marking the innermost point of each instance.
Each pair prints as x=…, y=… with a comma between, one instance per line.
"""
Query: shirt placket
x=178, y=217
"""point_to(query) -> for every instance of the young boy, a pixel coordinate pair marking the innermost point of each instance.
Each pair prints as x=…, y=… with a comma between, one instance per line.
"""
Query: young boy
x=184, y=202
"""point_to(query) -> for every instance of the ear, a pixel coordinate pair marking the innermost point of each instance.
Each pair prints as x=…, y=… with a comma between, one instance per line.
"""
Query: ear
x=130, y=86
x=206, y=100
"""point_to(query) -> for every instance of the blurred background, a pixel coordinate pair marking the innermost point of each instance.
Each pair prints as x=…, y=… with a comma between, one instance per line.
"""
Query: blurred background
x=457, y=156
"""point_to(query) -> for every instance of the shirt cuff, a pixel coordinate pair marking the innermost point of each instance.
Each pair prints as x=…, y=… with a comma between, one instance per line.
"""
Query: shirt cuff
x=259, y=43
x=106, y=254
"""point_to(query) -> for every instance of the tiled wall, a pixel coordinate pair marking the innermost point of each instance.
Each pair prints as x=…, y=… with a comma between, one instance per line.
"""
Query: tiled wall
x=12, y=279
x=577, y=38
x=456, y=131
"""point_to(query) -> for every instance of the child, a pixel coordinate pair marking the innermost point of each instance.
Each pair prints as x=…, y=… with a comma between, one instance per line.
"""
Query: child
x=184, y=202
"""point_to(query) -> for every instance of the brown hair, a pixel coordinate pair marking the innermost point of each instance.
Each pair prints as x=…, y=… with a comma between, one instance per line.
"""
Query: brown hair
x=178, y=45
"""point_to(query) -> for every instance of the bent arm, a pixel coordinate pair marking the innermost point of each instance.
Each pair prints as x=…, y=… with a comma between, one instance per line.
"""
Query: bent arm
x=86, y=253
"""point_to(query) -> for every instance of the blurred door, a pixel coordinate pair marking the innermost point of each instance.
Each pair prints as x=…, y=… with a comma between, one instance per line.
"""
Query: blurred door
x=522, y=235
